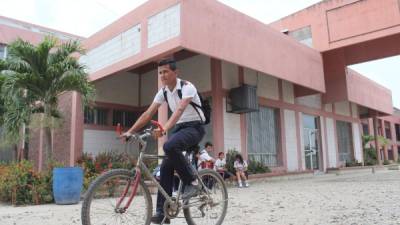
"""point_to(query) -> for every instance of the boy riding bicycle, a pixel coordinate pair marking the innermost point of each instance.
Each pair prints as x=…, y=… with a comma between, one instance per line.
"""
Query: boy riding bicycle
x=188, y=119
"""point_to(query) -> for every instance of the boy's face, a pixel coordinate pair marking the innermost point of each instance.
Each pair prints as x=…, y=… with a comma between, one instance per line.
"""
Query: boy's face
x=221, y=156
x=167, y=76
x=209, y=148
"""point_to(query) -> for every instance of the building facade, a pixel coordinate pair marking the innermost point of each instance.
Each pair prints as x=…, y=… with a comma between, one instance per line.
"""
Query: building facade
x=311, y=109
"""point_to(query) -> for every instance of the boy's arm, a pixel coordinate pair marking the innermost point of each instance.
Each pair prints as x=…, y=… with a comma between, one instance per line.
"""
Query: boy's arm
x=144, y=118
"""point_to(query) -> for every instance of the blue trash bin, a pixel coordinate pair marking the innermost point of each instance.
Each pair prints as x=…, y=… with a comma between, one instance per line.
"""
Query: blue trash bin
x=67, y=185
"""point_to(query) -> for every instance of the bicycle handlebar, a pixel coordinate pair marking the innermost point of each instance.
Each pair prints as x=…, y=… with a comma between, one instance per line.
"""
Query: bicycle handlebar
x=158, y=125
x=141, y=135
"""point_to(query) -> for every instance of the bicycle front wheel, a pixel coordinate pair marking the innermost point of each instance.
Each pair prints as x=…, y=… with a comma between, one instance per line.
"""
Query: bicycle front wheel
x=209, y=207
x=100, y=203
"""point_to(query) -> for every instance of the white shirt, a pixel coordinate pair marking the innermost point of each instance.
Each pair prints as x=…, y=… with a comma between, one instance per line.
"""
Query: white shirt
x=239, y=166
x=220, y=164
x=204, y=156
x=188, y=91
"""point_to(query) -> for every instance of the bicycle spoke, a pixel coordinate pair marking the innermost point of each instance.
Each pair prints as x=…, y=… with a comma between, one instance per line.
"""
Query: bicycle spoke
x=106, y=195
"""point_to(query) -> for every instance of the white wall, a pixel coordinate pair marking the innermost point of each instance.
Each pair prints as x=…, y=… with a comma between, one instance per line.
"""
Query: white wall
x=114, y=50
x=291, y=140
x=357, y=143
x=288, y=92
x=122, y=88
x=149, y=87
x=164, y=25
x=342, y=108
x=330, y=132
x=97, y=141
x=354, y=110
x=267, y=86
x=231, y=130
x=197, y=70
x=313, y=101
x=230, y=75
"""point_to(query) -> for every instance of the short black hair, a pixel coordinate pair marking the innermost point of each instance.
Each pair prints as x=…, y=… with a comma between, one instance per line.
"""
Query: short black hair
x=171, y=62
x=208, y=144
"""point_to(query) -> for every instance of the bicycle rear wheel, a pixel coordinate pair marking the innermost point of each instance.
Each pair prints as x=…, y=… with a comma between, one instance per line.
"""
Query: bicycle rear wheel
x=99, y=205
x=209, y=207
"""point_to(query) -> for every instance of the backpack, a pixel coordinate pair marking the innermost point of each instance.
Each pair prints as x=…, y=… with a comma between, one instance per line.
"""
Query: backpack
x=205, y=104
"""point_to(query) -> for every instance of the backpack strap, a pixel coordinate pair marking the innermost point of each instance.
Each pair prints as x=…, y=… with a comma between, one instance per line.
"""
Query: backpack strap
x=194, y=105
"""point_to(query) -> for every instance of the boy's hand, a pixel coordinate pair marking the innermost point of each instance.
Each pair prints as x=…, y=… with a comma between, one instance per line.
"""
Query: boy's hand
x=157, y=133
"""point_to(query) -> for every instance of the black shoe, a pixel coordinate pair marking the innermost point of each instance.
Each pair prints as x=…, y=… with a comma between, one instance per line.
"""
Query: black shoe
x=158, y=218
x=190, y=191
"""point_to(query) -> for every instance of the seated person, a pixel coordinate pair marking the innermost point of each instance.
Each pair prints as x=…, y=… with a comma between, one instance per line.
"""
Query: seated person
x=241, y=167
x=205, y=161
x=220, y=166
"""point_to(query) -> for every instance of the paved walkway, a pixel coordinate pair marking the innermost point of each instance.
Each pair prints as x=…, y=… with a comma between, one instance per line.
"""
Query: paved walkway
x=349, y=199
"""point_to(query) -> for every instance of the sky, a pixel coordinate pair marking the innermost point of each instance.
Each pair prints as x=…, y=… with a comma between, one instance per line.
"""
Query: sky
x=85, y=17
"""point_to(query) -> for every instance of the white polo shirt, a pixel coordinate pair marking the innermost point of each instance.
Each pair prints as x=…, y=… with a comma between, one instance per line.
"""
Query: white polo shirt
x=188, y=91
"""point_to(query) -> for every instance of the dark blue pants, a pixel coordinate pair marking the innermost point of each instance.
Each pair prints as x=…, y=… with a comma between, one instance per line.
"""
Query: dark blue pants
x=185, y=136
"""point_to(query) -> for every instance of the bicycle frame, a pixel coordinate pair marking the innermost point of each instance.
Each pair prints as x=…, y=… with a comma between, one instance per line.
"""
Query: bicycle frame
x=138, y=171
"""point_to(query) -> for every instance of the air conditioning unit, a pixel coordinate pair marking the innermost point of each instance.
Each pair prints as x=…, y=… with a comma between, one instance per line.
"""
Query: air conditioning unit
x=242, y=99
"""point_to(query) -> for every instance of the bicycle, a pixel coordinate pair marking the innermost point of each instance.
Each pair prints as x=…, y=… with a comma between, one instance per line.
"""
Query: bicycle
x=121, y=196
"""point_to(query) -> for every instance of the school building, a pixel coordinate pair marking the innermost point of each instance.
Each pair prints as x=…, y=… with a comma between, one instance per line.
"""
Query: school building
x=281, y=93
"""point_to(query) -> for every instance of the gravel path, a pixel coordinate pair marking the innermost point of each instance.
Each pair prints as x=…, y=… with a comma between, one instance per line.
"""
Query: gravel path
x=352, y=199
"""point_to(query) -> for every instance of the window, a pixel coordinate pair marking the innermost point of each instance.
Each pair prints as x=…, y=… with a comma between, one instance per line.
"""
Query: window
x=263, y=136
x=3, y=51
x=164, y=26
x=95, y=116
x=397, y=128
x=125, y=118
x=303, y=35
x=345, y=141
x=388, y=132
x=365, y=128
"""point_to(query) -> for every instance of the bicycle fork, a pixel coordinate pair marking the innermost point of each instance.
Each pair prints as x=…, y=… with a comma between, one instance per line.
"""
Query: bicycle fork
x=134, y=186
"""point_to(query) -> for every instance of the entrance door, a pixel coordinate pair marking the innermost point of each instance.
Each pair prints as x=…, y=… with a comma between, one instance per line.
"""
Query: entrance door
x=311, y=142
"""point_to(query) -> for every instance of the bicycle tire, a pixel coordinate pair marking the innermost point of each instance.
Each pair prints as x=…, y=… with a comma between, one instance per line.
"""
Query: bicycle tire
x=85, y=212
x=214, y=174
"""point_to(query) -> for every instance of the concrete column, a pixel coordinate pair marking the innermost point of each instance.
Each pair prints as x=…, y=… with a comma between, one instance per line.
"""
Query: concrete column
x=243, y=122
x=394, y=142
x=385, y=148
x=162, y=118
x=217, y=94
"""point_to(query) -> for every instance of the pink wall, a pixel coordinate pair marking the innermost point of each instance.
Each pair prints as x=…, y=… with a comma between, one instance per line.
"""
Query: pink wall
x=365, y=92
x=267, y=51
x=349, y=32
x=213, y=29
x=365, y=20
x=137, y=16
x=9, y=34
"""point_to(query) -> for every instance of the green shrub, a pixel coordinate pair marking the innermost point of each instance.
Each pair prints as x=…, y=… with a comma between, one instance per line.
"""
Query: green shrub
x=257, y=167
x=370, y=158
x=94, y=166
x=386, y=162
x=254, y=167
x=20, y=184
x=230, y=159
x=353, y=163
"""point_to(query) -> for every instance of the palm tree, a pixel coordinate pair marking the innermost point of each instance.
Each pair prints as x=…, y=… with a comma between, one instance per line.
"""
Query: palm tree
x=34, y=77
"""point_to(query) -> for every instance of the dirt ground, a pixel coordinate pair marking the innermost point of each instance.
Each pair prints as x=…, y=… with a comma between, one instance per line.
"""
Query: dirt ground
x=350, y=199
